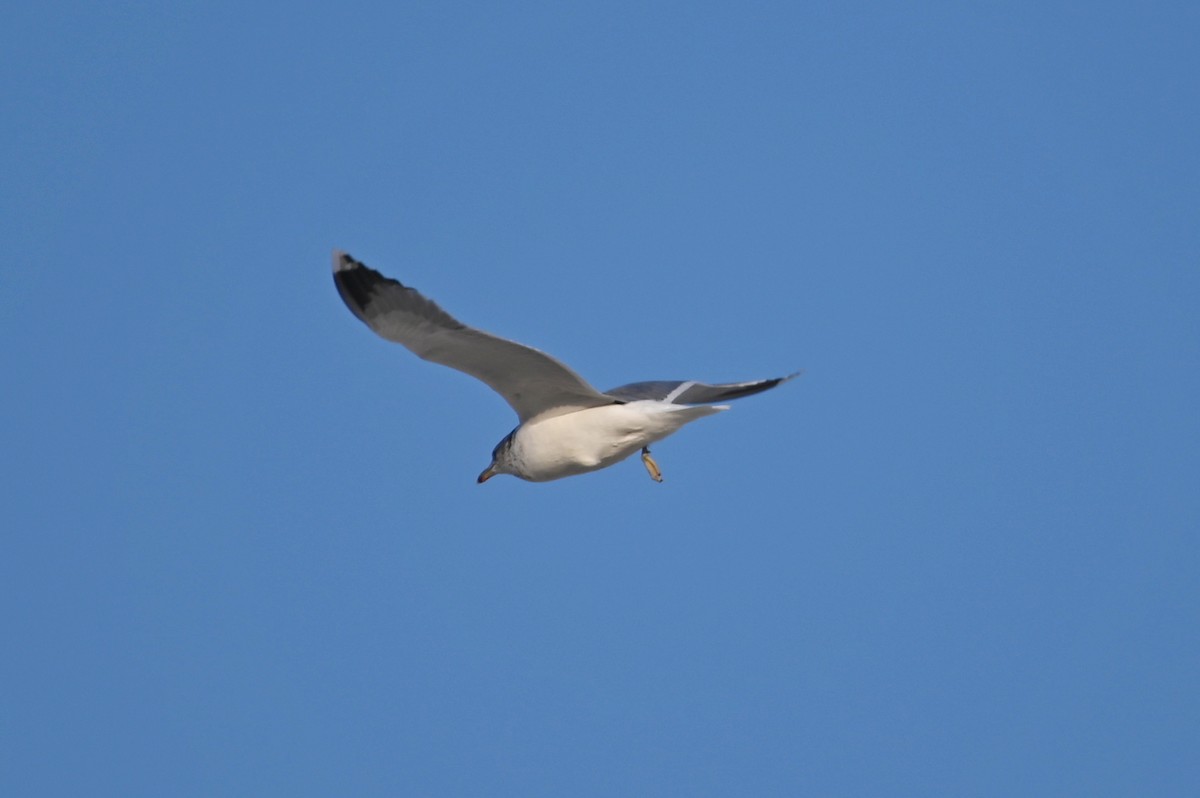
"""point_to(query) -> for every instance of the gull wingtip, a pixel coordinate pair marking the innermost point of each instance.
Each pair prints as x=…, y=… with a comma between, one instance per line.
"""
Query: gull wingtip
x=342, y=261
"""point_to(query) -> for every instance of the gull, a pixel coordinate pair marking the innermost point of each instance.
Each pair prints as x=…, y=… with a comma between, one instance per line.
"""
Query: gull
x=565, y=426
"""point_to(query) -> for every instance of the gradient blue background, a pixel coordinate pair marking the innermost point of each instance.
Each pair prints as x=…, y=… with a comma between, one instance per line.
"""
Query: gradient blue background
x=243, y=548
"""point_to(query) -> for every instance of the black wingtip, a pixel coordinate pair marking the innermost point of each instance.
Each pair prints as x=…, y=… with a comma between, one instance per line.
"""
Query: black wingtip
x=749, y=389
x=343, y=262
x=355, y=282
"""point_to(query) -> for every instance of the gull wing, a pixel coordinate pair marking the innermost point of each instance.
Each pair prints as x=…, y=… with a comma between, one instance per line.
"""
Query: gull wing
x=530, y=381
x=691, y=392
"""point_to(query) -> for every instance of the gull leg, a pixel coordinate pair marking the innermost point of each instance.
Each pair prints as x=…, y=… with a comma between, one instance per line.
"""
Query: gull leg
x=651, y=466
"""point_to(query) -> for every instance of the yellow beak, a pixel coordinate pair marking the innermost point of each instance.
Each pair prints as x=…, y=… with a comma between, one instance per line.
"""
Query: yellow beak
x=487, y=474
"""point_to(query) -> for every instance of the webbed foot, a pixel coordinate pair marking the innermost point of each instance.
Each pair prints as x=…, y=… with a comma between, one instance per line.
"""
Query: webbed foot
x=651, y=466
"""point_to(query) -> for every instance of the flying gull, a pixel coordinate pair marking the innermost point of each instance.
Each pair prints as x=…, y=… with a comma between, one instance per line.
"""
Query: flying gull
x=566, y=426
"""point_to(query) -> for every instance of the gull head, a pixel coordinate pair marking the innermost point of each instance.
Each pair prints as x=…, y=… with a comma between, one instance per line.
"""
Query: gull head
x=504, y=460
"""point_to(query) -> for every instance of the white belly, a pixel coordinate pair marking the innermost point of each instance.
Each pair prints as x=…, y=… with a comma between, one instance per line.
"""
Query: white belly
x=587, y=440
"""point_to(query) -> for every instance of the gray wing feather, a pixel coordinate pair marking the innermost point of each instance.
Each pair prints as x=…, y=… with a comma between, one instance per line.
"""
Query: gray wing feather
x=690, y=392
x=530, y=381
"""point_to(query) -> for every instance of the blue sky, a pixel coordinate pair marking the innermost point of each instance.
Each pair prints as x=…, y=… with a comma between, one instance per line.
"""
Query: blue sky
x=244, y=552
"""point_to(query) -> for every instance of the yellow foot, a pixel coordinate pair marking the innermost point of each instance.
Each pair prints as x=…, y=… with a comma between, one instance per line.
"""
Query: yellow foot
x=651, y=466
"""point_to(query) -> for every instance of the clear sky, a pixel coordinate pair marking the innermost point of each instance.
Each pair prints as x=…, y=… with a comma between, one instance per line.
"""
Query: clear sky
x=244, y=552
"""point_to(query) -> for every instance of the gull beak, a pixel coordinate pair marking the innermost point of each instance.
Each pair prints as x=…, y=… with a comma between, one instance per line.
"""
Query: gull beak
x=487, y=474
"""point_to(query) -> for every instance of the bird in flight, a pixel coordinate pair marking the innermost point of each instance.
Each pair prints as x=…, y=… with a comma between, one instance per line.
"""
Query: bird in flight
x=566, y=427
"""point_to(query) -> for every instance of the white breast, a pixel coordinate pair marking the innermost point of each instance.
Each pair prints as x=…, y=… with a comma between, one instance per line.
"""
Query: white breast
x=587, y=440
